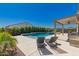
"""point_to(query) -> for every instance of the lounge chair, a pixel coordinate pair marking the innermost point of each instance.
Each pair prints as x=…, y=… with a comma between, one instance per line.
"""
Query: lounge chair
x=40, y=42
x=52, y=42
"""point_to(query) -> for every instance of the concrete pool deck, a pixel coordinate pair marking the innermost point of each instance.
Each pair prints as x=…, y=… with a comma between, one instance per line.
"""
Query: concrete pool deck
x=29, y=47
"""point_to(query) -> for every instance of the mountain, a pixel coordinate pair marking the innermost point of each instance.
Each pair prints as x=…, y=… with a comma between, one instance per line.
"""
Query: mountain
x=23, y=24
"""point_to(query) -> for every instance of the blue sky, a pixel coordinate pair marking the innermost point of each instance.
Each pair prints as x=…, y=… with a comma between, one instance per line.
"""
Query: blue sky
x=36, y=14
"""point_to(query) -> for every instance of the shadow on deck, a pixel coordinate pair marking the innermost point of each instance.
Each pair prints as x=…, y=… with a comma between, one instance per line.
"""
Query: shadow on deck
x=58, y=50
x=44, y=51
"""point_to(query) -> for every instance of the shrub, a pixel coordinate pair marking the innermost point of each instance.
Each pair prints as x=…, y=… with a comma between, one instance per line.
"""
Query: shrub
x=7, y=44
x=17, y=31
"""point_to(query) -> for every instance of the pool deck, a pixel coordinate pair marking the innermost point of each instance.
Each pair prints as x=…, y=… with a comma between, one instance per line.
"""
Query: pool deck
x=29, y=47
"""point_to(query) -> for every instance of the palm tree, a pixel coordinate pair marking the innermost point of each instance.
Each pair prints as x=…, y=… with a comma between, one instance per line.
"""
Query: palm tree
x=7, y=44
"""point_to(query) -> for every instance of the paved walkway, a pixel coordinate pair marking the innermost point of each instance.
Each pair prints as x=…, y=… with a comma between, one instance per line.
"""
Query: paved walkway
x=29, y=47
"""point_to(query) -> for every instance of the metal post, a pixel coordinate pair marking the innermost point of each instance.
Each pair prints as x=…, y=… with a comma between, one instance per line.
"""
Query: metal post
x=55, y=29
x=77, y=28
x=62, y=28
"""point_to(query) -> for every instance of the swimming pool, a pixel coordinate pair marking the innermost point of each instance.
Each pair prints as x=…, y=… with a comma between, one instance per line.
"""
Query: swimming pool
x=38, y=34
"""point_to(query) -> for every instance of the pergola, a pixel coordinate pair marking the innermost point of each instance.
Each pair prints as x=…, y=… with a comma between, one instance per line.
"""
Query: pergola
x=68, y=20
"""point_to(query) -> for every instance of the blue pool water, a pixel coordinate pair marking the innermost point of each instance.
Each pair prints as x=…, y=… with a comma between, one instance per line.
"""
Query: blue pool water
x=38, y=34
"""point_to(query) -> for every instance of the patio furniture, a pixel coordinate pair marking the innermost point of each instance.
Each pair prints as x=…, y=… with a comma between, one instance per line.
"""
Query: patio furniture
x=74, y=40
x=40, y=42
x=52, y=42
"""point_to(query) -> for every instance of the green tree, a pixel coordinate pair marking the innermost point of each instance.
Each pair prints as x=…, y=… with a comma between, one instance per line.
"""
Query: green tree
x=2, y=29
x=15, y=31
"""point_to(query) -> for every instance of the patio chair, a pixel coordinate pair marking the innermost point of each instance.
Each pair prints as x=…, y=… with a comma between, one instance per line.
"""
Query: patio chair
x=40, y=42
x=52, y=42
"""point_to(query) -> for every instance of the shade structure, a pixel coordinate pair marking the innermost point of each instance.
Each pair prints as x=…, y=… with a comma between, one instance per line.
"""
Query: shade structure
x=68, y=20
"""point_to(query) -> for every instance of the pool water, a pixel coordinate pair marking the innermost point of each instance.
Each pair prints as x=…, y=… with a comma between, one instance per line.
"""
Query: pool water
x=39, y=34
